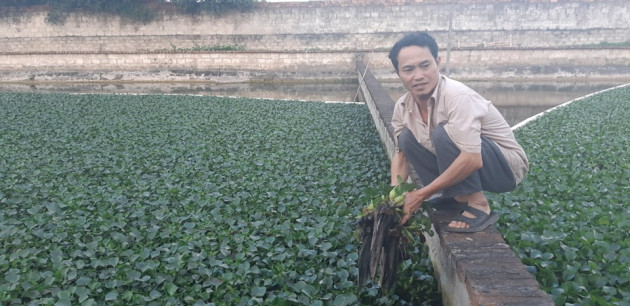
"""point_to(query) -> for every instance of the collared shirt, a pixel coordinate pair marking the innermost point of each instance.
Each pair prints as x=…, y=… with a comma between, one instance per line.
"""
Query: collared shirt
x=467, y=116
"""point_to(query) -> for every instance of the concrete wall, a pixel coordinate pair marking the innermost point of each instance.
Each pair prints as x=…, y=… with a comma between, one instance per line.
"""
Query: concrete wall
x=214, y=67
x=366, y=27
x=506, y=64
x=495, y=38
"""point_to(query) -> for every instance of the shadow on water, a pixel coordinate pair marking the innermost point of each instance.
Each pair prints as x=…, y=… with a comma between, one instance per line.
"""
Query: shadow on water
x=517, y=101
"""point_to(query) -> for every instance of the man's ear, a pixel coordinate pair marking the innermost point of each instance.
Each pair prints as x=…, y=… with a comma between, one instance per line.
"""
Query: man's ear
x=438, y=60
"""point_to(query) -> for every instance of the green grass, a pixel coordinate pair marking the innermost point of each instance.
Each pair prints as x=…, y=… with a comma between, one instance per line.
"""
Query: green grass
x=181, y=200
x=203, y=48
x=605, y=44
x=569, y=220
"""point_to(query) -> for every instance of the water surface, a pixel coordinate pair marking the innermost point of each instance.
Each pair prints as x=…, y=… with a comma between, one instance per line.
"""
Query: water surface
x=517, y=101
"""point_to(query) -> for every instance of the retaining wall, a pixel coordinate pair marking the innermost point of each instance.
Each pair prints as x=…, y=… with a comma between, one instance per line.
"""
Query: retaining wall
x=555, y=64
x=356, y=25
x=319, y=39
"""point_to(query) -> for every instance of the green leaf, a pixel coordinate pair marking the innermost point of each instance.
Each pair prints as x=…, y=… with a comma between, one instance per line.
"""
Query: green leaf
x=83, y=280
x=154, y=294
x=12, y=276
x=111, y=296
x=82, y=293
x=170, y=289
x=88, y=302
x=609, y=290
x=56, y=256
x=127, y=295
x=64, y=295
x=345, y=299
x=258, y=291
x=326, y=246
x=71, y=275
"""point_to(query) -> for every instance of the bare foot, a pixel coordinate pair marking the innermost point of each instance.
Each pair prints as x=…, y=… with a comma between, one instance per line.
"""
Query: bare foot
x=476, y=200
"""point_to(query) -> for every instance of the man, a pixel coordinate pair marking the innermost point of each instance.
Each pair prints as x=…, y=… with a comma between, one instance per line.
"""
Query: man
x=457, y=141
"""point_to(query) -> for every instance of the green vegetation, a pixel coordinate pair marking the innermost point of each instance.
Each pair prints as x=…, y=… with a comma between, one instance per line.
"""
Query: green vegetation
x=204, y=48
x=177, y=200
x=618, y=44
x=605, y=44
x=570, y=221
x=162, y=199
x=134, y=10
x=15, y=3
x=213, y=6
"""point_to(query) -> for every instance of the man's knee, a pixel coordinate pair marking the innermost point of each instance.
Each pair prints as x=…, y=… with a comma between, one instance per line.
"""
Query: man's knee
x=406, y=140
x=440, y=138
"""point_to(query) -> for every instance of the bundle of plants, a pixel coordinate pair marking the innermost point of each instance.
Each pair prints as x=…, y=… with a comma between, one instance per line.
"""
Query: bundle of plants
x=385, y=243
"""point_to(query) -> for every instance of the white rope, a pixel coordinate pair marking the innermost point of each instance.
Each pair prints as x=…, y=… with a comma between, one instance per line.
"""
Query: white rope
x=362, y=78
x=534, y=117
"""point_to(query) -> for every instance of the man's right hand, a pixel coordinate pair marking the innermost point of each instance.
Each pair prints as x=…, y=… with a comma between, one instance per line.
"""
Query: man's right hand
x=413, y=201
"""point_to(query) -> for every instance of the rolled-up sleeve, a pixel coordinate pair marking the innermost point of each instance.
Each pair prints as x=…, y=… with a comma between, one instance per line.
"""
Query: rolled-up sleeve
x=398, y=122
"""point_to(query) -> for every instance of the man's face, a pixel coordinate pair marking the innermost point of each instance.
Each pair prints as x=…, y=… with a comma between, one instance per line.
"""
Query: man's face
x=418, y=71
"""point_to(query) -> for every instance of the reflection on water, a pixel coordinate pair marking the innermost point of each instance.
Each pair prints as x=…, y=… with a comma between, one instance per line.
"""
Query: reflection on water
x=299, y=91
x=517, y=101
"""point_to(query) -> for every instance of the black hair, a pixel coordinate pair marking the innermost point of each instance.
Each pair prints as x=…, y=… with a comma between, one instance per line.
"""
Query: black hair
x=420, y=39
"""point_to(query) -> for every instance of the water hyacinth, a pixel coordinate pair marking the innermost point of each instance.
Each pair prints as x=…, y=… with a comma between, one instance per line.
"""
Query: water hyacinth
x=569, y=221
x=153, y=199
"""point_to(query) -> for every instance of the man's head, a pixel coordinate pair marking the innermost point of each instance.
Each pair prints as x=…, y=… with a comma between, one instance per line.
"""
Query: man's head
x=420, y=39
x=417, y=64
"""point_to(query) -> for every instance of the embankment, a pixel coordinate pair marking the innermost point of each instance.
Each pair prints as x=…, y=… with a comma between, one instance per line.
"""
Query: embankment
x=481, y=39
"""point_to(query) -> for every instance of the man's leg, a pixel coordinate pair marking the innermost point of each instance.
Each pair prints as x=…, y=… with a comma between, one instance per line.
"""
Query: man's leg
x=495, y=175
x=421, y=159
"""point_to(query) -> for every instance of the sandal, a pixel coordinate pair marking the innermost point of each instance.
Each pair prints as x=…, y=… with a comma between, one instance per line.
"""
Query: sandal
x=480, y=222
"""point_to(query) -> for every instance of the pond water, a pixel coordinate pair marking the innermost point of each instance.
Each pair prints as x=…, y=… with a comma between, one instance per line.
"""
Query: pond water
x=517, y=101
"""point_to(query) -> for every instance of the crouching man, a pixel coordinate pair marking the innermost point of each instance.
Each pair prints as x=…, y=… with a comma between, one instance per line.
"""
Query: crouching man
x=457, y=141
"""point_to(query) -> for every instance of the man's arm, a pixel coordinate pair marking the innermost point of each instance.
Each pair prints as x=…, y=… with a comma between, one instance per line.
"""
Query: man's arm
x=399, y=166
x=464, y=165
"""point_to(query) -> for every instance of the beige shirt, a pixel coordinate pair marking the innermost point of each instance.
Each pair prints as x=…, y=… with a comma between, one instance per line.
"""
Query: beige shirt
x=467, y=117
